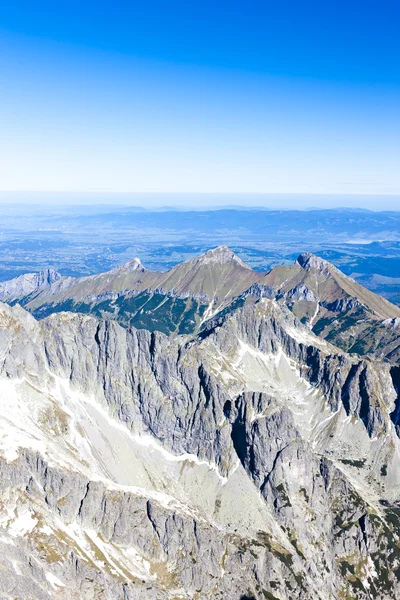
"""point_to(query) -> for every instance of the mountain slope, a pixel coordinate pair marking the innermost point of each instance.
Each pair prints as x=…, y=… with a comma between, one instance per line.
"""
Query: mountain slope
x=334, y=305
x=252, y=461
x=179, y=301
x=176, y=301
x=312, y=279
x=217, y=273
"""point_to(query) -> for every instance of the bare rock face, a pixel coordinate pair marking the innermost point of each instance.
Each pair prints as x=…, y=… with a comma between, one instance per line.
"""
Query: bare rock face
x=309, y=261
x=254, y=460
x=26, y=284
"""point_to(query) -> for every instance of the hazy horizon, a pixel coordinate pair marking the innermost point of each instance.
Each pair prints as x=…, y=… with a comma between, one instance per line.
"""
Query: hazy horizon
x=214, y=98
x=204, y=201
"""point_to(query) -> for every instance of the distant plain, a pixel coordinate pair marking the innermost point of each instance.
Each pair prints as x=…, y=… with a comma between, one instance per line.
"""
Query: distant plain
x=84, y=240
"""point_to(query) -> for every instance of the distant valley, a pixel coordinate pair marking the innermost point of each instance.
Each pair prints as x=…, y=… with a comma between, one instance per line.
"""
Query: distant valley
x=79, y=241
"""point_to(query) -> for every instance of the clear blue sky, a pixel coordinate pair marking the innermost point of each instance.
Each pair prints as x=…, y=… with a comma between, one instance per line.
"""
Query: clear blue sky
x=274, y=96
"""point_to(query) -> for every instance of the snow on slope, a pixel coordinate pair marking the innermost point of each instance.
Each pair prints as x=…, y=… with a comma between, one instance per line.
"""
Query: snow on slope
x=330, y=432
x=73, y=431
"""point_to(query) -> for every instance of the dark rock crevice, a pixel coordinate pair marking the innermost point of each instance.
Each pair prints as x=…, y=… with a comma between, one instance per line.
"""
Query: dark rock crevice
x=395, y=414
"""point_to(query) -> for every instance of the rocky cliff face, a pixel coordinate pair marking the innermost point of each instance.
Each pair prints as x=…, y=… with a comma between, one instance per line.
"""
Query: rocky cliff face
x=252, y=461
x=24, y=285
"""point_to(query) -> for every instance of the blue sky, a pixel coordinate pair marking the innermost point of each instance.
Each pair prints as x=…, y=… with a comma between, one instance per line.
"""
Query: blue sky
x=246, y=97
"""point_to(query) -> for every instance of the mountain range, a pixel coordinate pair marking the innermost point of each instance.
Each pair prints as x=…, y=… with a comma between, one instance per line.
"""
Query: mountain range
x=206, y=432
x=179, y=301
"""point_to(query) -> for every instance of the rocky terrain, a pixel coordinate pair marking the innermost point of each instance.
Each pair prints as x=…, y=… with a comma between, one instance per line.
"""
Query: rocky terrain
x=247, y=459
x=29, y=283
x=179, y=301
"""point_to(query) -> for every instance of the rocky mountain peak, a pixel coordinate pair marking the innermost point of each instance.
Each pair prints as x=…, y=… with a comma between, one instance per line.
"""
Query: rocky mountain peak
x=134, y=265
x=252, y=457
x=27, y=283
x=309, y=261
x=221, y=254
x=48, y=276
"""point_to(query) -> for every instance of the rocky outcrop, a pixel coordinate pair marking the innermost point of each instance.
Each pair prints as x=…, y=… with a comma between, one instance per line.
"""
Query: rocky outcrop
x=26, y=284
x=254, y=460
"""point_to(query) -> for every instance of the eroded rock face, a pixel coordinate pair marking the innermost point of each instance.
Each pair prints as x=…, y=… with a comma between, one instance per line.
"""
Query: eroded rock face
x=26, y=284
x=253, y=461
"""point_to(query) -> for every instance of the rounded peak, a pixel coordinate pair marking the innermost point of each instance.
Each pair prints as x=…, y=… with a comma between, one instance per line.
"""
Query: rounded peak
x=221, y=250
x=221, y=254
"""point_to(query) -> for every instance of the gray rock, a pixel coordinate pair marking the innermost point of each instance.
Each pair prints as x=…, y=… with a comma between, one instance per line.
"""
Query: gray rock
x=252, y=461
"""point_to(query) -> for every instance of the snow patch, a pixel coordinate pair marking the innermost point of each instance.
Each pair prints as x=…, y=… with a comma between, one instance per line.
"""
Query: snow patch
x=24, y=523
x=54, y=581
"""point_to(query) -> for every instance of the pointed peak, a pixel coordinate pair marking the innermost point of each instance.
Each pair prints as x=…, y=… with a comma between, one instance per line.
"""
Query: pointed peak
x=221, y=254
x=134, y=265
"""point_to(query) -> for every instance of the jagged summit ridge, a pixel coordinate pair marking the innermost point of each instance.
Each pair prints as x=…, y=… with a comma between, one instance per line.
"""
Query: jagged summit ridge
x=27, y=283
x=48, y=276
